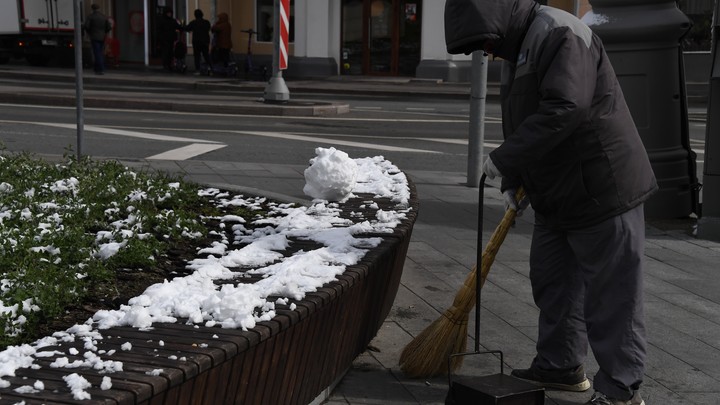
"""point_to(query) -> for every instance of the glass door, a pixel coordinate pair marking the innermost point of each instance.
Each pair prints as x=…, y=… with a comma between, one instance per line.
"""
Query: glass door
x=352, y=37
x=380, y=37
x=381, y=41
x=409, y=37
x=129, y=30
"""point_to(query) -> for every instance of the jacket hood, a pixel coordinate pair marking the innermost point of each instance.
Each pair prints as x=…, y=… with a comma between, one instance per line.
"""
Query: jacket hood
x=469, y=23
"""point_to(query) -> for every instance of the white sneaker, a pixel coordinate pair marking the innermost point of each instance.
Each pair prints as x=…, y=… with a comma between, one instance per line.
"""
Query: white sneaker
x=599, y=398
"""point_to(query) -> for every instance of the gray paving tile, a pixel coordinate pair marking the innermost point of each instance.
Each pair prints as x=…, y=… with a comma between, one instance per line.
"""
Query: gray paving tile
x=698, y=312
x=684, y=246
x=671, y=372
x=370, y=383
x=701, y=398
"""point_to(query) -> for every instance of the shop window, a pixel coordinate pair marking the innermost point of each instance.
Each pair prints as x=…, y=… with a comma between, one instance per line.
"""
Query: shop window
x=264, y=20
x=701, y=13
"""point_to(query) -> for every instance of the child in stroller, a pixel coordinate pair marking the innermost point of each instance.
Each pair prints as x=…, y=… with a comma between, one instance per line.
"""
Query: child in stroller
x=179, y=53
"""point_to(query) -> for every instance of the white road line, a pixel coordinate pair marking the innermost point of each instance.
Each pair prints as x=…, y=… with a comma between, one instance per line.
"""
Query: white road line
x=186, y=152
x=275, y=117
x=456, y=141
x=198, y=146
x=334, y=142
x=122, y=132
x=419, y=109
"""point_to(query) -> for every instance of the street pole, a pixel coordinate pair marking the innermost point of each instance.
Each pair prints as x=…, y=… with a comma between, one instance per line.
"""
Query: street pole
x=476, y=136
x=709, y=221
x=80, y=117
x=146, y=32
x=276, y=90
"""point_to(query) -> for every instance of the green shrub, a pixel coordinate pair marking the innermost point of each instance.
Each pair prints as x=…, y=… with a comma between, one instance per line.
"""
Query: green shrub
x=67, y=227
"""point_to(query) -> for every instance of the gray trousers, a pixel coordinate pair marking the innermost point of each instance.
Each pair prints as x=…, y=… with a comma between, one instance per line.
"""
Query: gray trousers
x=589, y=288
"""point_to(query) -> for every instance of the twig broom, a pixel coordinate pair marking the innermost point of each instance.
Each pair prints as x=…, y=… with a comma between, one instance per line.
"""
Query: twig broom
x=427, y=354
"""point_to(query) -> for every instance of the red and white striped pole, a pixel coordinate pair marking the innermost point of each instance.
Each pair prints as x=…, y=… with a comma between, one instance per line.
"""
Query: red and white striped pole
x=284, y=32
x=276, y=91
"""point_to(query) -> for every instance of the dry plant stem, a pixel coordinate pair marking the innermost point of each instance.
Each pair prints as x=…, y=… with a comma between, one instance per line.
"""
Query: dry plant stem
x=427, y=354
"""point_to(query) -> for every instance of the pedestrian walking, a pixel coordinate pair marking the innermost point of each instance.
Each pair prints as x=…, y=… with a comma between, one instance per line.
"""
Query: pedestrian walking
x=200, y=29
x=571, y=143
x=97, y=27
x=223, y=38
x=167, y=34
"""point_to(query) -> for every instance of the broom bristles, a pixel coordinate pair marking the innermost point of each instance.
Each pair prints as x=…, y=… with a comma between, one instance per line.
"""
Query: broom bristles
x=428, y=353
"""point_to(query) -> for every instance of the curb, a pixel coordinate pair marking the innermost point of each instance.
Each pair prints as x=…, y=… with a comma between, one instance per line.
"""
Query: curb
x=379, y=87
x=296, y=109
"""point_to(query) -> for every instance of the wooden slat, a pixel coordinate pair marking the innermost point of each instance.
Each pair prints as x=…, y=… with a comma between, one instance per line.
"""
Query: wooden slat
x=58, y=391
x=235, y=380
x=123, y=391
x=295, y=362
x=10, y=398
x=218, y=383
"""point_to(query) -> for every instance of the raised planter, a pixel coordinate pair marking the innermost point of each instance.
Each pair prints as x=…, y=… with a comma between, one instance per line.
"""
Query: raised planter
x=290, y=359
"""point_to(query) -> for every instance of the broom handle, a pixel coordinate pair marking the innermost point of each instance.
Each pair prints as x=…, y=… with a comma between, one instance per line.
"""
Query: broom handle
x=488, y=256
x=497, y=238
x=462, y=305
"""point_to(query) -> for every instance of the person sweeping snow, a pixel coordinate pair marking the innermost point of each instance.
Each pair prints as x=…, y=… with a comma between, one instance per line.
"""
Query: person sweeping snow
x=571, y=143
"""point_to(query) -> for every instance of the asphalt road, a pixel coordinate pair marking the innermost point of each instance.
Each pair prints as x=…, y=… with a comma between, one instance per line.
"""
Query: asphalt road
x=410, y=137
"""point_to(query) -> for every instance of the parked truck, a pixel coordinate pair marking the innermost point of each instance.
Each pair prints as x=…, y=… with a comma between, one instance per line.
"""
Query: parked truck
x=37, y=30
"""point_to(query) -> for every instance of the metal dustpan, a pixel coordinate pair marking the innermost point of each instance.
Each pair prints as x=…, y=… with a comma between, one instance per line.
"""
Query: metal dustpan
x=495, y=389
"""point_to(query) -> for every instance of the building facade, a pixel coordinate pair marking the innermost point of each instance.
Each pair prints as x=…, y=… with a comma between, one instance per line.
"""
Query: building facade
x=336, y=37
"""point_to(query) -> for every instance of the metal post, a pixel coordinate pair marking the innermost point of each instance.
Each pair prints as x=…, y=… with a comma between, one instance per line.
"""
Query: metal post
x=276, y=91
x=476, y=136
x=709, y=222
x=146, y=32
x=78, y=78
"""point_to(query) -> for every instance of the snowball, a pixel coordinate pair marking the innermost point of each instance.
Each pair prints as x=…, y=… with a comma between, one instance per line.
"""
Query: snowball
x=331, y=175
x=106, y=383
x=77, y=385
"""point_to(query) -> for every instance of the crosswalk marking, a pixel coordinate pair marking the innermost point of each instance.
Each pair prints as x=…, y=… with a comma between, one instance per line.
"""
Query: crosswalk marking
x=122, y=132
x=187, y=152
x=196, y=148
x=331, y=141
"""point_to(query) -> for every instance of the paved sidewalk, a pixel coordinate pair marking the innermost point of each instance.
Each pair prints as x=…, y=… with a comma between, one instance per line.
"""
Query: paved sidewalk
x=682, y=283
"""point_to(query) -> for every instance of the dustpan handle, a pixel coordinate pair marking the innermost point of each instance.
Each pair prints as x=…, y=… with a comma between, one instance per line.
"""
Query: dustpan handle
x=478, y=260
x=478, y=289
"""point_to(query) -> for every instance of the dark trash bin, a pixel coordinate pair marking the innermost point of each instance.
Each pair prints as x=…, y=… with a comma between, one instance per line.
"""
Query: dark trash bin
x=642, y=40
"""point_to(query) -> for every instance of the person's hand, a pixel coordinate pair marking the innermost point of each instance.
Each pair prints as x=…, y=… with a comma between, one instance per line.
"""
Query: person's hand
x=511, y=201
x=490, y=170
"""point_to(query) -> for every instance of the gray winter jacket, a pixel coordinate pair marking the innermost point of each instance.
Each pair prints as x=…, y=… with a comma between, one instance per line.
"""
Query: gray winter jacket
x=569, y=138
